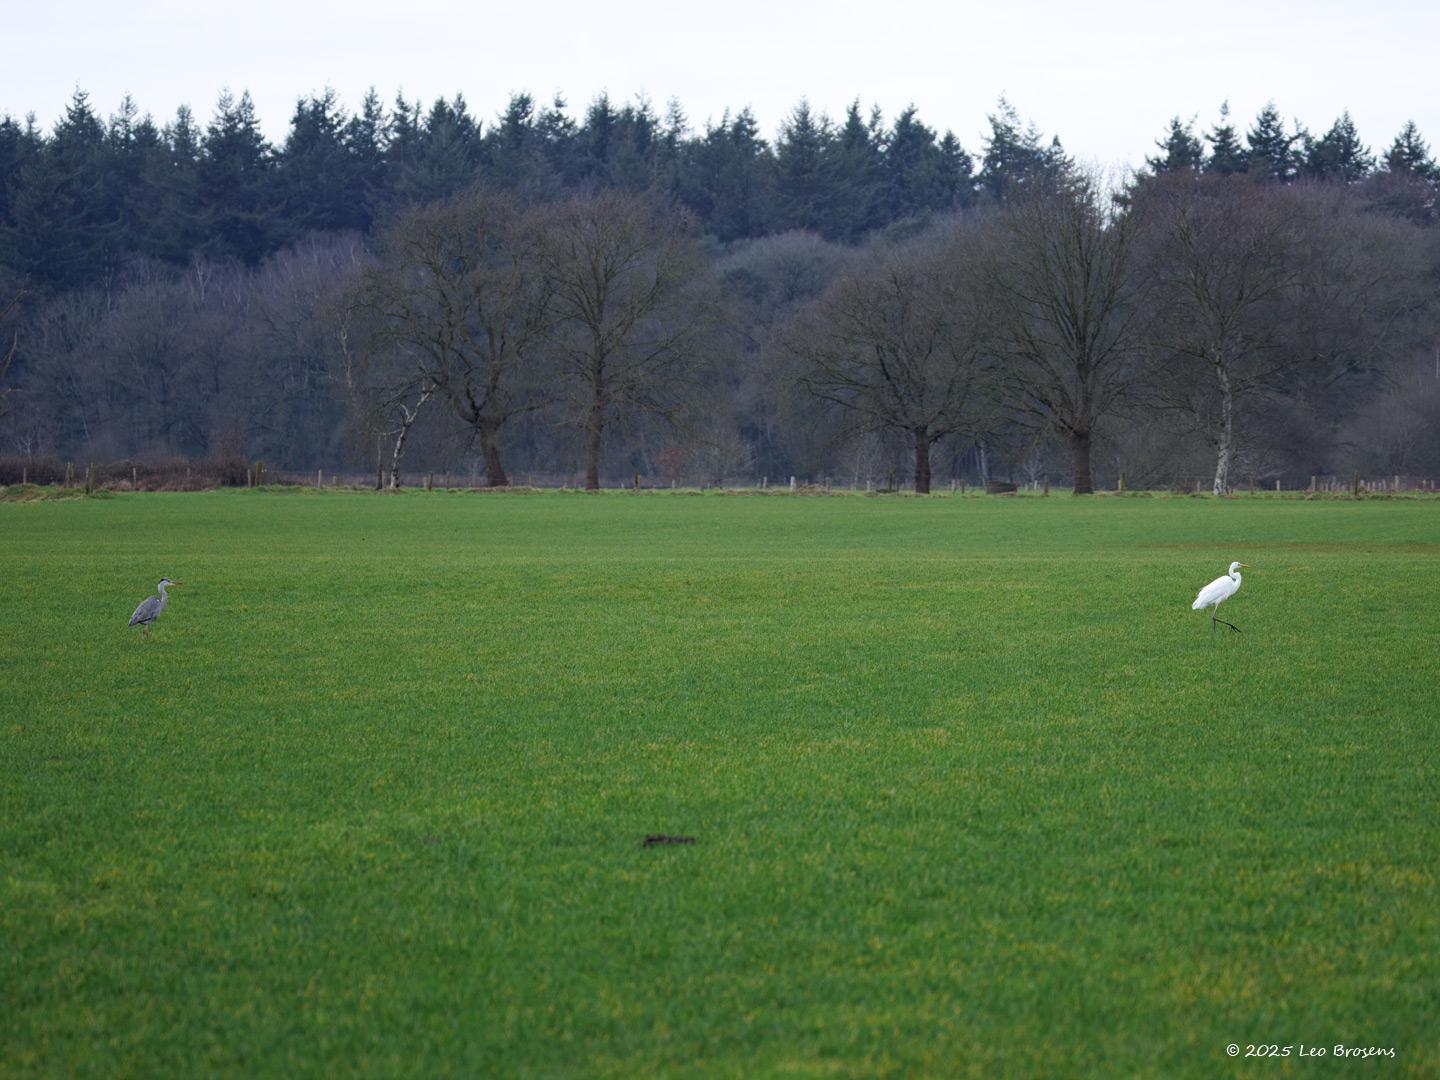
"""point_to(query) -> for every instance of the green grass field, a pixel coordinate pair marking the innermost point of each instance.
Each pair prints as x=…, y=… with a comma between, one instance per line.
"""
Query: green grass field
x=974, y=792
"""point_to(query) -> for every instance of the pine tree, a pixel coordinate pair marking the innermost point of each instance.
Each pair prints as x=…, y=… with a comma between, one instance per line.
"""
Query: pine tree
x=1054, y=161
x=913, y=177
x=729, y=181
x=1014, y=159
x=451, y=153
x=1338, y=154
x=597, y=136
x=1271, y=151
x=19, y=145
x=633, y=147
x=857, y=161
x=66, y=231
x=1182, y=149
x=516, y=149
x=802, y=166
x=367, y=137
x=237, y=171
x=180, y=229
x=136, y=174
x=1226, y=153
x=957, y=173
x=402, y=149
x=672, y=150
x=559, y=153
x=1409, y=154
x=317, y=182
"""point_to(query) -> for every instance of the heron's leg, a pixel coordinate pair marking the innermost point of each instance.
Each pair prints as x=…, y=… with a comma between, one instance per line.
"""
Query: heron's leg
x=1231, y=625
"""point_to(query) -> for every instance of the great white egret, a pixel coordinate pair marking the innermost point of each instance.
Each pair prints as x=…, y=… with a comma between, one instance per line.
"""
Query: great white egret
x=1217, y=592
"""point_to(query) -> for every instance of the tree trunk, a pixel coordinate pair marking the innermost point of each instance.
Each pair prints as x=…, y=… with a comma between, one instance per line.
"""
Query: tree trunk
x=396, y=455
x=1227, y=434
x=489, y=432
x=1080, y=451
x=922, y=461
x=594, y=429
x=408, y=417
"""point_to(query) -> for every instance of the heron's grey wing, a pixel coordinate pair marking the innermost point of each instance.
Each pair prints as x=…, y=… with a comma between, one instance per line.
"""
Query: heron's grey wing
x=146, y=612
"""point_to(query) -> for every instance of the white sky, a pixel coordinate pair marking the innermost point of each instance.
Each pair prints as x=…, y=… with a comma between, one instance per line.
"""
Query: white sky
x=1106, y=76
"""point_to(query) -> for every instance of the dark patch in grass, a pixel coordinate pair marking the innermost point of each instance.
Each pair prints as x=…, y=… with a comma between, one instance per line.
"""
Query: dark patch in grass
x=660, y=838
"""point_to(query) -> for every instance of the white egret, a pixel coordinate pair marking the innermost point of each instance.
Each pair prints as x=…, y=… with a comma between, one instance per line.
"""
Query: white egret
x=1217, y=592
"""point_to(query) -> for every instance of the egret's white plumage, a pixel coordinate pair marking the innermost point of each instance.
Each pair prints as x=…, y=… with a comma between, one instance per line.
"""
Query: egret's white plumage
x=1217, y=592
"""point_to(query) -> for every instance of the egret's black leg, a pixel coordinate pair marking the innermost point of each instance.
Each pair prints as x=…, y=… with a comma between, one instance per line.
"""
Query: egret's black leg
x=1231, y=625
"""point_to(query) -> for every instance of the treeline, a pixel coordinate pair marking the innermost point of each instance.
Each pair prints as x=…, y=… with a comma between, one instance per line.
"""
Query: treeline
x=617, y=294
x=80, y=202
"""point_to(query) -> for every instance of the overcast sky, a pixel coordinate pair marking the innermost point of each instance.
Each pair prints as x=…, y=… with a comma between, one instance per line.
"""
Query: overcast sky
x=1106, y=76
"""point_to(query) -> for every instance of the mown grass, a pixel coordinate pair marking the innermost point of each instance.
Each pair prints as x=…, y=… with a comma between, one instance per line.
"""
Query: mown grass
x=974, y=792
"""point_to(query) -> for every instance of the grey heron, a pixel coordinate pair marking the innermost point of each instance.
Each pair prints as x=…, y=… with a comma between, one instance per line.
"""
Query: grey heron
x=150, y=608
x=1217, y=592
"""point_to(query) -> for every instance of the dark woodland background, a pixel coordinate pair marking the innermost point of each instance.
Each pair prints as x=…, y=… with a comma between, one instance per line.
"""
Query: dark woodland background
x=586, y=295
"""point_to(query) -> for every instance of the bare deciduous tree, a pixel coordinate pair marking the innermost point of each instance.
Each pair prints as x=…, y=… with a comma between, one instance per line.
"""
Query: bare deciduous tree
x=460, y=290
x=1260, y=289
x=384, y=386
x=1227, y=259
x=619, y=266
x=900, y=344
x=1068, y=293
x=8, y=357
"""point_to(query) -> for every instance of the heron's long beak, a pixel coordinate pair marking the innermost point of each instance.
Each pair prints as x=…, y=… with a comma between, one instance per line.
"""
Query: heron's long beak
x=1246, y=565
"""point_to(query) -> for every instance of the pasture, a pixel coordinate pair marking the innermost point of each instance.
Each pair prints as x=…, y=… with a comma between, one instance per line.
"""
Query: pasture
x=974, y=792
